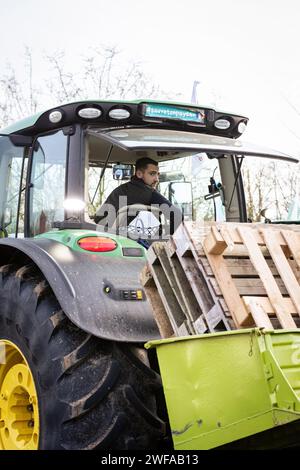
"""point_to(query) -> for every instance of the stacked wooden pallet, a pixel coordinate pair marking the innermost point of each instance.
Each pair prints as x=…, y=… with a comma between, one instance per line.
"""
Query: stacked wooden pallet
x=214, y=277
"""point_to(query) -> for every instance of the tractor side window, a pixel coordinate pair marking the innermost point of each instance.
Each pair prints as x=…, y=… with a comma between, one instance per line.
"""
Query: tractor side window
x=271, y=190
x=11, y=159
x=47, y=180
x=98, y=193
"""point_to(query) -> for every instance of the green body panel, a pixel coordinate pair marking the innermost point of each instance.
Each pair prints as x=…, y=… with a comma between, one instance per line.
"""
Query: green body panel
x=22, y=124
x=70, y=238
x=223, y=387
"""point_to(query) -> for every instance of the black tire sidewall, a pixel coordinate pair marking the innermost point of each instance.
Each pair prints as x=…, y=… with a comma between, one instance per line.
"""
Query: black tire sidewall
x=123, y=405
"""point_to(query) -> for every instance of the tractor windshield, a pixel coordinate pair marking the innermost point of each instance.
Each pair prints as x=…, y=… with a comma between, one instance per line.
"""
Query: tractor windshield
x=200, y=174
x=185, y=182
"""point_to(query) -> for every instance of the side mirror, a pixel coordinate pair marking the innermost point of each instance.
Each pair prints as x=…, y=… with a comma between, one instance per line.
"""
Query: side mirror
x=181, y=195
x=6, y=221
x=122, y=172
x=263, y=213
x=7, y=217
x=180, y=192
x=38, y=166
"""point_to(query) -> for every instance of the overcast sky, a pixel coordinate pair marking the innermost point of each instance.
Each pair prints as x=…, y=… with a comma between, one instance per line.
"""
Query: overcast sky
x=244, y=53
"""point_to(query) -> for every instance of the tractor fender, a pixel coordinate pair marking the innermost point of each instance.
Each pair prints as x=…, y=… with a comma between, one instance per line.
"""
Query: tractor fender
x=91, y=289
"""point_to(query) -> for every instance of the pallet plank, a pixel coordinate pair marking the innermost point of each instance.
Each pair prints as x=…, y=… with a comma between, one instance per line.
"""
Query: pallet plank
x=214, y=242
x=202, y=296
x=258, y=313
x=159, y=311
x=192, y=307
x=283, y=267
x=232, y=230
x=265, y=275
x=181, y=241
x=203, y=291
x=166, y=293
x=242, y=267
x=293, y=242
x=268, y=307
x=165, y=262
x=248, y=286
x=228, y=289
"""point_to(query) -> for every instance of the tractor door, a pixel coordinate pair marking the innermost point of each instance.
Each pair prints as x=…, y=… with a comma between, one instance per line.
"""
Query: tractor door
x=47, y=182
x=13, y=164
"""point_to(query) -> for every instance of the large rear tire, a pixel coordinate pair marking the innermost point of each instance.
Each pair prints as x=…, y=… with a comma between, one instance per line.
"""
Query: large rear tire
x=91, y=393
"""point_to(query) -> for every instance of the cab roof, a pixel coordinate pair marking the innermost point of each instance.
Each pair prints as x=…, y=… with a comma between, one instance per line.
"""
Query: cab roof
x=146, y=113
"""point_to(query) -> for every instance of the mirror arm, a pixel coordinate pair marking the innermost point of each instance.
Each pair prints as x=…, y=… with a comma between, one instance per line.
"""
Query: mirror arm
x=236, y=180
x=211, y=195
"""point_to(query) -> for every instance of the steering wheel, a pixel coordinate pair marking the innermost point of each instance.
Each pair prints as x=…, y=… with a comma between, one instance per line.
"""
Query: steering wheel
x=121, y=225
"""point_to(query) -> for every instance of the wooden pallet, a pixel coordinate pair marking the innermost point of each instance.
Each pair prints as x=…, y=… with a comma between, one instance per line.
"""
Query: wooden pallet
x=214, y=277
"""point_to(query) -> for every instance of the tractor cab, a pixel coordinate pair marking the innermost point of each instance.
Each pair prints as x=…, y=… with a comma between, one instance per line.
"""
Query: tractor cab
x=74, y=314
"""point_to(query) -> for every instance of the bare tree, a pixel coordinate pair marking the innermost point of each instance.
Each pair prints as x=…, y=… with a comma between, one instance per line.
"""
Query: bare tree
x=12, y=97
x=18, y=97
x=107, y=76
x=32, y=90
x=103, y=74
x=63, y=85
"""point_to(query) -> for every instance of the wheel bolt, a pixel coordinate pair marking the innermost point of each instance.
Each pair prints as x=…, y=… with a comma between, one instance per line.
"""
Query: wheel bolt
x=32, y=400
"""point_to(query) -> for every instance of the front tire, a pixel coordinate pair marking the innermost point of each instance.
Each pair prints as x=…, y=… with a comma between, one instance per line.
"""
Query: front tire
x=91, y=393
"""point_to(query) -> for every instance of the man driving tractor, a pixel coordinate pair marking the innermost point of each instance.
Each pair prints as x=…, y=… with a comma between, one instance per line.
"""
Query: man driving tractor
x=141, y=189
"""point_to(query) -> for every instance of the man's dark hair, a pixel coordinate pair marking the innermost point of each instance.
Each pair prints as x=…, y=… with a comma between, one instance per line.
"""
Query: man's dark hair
x=142, y=163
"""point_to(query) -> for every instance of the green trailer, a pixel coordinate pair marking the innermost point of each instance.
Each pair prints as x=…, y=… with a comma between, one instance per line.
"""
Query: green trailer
x=224, y=387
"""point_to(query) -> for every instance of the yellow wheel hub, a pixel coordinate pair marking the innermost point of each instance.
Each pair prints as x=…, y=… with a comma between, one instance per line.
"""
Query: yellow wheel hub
x=19, y=414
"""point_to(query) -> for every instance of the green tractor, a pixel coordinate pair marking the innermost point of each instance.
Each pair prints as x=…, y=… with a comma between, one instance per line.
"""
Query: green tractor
x=74, y=373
